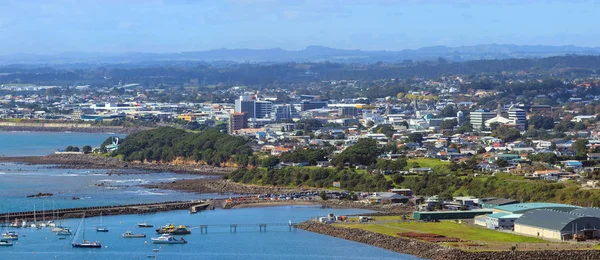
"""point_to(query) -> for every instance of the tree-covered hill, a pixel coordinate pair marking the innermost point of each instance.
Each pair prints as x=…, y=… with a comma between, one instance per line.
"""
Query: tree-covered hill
x=166, y=144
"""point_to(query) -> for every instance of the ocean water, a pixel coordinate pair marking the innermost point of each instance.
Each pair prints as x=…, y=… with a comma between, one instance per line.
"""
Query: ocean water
x=218, y=243
x=91, y=187
x=97, y=187
x=43, y=143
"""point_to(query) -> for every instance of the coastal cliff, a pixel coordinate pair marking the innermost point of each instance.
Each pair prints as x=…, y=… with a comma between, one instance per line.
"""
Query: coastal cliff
x=436, y=251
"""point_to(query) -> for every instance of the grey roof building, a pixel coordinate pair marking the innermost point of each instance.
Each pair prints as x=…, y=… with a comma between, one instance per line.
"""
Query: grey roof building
x=558, y=225
x=595, y=212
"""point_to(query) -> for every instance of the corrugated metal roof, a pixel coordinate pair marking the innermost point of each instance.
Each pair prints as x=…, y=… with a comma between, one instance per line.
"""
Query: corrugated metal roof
x=550, y=219
x=525, y=207
x=501, y=201
x=497, y=215
x=595, y=212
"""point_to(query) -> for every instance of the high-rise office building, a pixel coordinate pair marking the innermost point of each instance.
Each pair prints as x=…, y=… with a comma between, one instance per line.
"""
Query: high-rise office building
x=262, y=109
x=245, y=105
x=519, y=116
x=253, y=109
x=281, y=112
x=309, y=105
x=237, y=121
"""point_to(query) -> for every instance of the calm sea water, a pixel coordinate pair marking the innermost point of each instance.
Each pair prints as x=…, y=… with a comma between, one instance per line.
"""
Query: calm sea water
x=219, y=243
x=96, y=187
x=42, y=143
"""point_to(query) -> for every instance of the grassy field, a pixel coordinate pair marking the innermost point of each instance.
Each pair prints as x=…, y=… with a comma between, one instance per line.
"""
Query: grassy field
x=449, y=229
x=477, y=239
x=428, y=162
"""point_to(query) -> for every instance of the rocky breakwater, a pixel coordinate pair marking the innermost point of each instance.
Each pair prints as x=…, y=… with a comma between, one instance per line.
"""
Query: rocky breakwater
x=221, y=186
x=107, y=210
x=436, y=251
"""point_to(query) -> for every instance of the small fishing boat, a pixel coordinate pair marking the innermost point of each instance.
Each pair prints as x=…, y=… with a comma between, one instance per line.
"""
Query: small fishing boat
x=10, y=235
x=145, y=225
x=5, y=243
x=168, y=239
x=128, y=234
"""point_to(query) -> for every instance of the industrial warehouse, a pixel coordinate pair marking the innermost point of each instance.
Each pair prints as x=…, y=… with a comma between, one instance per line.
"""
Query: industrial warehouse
x=545, y=220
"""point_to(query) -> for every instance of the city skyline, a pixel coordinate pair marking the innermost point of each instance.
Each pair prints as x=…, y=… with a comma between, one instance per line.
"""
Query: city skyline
x=178, y=26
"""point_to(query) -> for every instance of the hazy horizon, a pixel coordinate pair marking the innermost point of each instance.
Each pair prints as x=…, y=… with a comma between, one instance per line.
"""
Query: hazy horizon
x=154, y=26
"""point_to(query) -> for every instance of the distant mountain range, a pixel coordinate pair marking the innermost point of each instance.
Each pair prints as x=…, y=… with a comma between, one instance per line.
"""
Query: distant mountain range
x=310, y=54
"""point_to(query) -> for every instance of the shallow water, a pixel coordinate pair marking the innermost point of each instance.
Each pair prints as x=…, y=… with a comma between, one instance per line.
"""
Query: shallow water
x=92, y=187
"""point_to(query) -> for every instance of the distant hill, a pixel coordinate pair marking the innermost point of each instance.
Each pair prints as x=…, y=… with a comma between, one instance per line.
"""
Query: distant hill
x=309, y=54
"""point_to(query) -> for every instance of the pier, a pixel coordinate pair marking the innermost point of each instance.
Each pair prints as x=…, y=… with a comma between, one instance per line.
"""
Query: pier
x=144, y=208
x=262, y=227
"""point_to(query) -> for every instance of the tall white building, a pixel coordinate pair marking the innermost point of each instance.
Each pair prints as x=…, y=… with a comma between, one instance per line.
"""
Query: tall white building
x=479, y=117
x=519, y=116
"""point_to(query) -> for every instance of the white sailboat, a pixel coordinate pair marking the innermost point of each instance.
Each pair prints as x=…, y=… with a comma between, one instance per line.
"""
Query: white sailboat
x=84, y=243
x=101, y=228
x=34, y=224
x=9, y=235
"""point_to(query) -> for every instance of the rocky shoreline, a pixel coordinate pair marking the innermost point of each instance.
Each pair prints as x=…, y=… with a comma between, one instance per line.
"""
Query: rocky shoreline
x=87, y=161
x=222, y=186
x=436, y=251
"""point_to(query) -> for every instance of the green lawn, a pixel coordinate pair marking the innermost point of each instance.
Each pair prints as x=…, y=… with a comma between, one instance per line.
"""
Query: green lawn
x=428, y=162
x=445, y=228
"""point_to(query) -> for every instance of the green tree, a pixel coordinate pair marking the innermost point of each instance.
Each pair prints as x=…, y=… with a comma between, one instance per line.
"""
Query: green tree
x=501, y=163
x=269, y=162
x=449, y=124
x=323, y=195
x=87, y=149
x=449, y=111
x=507, y=134
x=415, y=138
x=385, y=129
x=364, y=152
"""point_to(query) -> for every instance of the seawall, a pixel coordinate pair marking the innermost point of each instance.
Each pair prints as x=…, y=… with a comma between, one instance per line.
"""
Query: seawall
x=436, y=251
x=144, y=208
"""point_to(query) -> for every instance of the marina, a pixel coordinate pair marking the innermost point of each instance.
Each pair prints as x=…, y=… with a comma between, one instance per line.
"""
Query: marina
x=218, y=243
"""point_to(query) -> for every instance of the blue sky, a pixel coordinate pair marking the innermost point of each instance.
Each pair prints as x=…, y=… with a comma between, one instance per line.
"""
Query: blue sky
x=55, y=26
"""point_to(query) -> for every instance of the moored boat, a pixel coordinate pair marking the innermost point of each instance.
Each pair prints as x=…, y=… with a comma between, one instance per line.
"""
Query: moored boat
x=4, y=242
x=145, y=225
x=101, y=228
x=128, y=234
x=10, y=235
x=167, y=239
x=64, y=232
x=84, y=243
x=172, y=230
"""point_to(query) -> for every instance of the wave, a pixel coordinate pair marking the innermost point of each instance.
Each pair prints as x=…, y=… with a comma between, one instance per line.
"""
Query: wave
x=140, y=181
x=147, y=193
